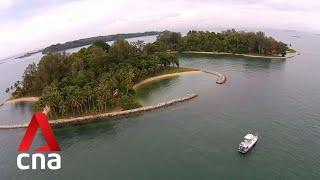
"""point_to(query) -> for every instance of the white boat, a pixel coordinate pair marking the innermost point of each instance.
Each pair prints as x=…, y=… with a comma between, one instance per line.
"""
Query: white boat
x=248, y=142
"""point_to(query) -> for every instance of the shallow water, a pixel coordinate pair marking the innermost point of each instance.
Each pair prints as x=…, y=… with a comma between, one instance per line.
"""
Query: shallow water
x=18, y=113
x=198, y=139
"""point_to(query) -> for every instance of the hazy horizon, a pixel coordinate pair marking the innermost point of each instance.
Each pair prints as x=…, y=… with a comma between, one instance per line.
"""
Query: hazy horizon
x=35, y=24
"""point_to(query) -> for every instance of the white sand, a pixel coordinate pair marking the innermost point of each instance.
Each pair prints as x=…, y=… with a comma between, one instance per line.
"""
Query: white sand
x=156, y=78
x=23, y=99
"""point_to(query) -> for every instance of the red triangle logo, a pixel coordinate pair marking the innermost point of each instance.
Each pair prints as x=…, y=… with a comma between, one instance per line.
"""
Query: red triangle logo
x=39, y=120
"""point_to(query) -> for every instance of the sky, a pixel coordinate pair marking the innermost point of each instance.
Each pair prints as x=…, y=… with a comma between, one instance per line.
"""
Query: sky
x=34, y=24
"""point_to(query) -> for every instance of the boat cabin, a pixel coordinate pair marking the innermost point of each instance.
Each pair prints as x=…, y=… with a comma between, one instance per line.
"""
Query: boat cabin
x=248, y=137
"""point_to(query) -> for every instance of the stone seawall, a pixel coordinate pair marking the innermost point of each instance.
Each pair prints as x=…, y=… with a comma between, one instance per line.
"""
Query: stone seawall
x=221, y=78
x=84, y=119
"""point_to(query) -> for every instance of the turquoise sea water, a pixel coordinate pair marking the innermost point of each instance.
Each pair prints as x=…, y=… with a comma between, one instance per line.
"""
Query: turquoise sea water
x=198, y=139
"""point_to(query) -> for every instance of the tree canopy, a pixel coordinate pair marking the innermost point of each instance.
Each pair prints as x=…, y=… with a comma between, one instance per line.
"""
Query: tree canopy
x=230, y=41
x=101, y=77
x=95, y=79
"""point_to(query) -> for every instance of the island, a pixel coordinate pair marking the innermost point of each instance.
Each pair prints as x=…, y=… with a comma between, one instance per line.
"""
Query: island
x=91, y=40
x=230, y=42
x=95, y=80
x=84, y=42
x=102, y=79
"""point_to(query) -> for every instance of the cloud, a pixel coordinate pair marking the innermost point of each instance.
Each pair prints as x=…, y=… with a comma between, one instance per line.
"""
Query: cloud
x=27, y=25
x=4, y=4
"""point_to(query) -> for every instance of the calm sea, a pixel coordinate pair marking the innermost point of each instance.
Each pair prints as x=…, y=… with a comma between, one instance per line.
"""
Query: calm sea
x=196, y=139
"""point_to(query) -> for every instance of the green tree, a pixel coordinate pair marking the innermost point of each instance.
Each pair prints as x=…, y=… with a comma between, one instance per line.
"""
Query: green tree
x=84, y=82
x=101, y=44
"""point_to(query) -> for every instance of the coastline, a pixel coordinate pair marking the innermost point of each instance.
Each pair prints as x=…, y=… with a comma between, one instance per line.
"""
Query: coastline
x=26, y=99
x=99, y=117
x=87, y=118
x=221, y=78
x=23, y=99
x=164, y=76
x=289, y=55
x=20, y=100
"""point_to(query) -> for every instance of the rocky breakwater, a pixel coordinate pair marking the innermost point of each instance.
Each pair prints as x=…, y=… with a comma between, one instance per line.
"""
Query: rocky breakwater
x=104, y=116
x=221, y=78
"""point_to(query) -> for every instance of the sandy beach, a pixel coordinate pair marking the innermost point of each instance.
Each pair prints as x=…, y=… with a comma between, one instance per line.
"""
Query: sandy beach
x=146, y=81
x=23, y=99
x=221, y=80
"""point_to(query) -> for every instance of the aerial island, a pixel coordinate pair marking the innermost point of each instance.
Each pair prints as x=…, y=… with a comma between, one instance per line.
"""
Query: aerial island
x=251, y=44
x=87, y=41
x=101, y=78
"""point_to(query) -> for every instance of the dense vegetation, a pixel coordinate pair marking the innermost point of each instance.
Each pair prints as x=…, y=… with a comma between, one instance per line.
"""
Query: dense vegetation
x=229, y=41
x=88, y=41
x=100, y=78
x=95, y=79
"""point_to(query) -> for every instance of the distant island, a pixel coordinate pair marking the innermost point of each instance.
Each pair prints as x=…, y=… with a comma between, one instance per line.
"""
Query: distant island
x=28, y=54
x=230, y=41
x=101, y=78
x=91, y=40
x=87, y=41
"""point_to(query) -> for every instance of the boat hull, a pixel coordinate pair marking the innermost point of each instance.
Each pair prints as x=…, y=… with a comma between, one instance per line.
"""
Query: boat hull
x=244, y=151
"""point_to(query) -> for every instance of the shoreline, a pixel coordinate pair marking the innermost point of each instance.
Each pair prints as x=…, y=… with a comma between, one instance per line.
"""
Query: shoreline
x=20, y=100
x=289, y=55
x=100, y=117
x=164, y=76
x=23, y=99
x=221, y=78
x=87, y=118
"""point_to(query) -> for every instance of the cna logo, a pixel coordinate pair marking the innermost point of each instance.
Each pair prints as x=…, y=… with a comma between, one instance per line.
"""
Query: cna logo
x=39, y=120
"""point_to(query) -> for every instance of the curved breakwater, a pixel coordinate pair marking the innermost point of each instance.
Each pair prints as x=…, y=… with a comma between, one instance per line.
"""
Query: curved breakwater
x=221, y=78
x=83, y=119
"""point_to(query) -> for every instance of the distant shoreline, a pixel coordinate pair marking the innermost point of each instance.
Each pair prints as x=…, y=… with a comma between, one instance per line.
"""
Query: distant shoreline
x=88, y=41
x=80, y=43
x=236, y=54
